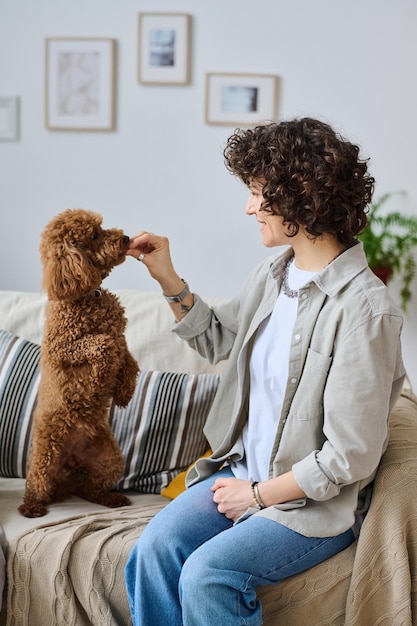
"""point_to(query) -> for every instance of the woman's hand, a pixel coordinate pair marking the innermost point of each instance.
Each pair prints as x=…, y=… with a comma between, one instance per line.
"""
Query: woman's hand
x=233, y=496
x=153, y=251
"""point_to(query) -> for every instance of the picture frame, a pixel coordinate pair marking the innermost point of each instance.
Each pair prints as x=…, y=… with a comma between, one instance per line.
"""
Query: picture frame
x=80, y=83
x=9, y=118
x=164, y=41
x=240, y=99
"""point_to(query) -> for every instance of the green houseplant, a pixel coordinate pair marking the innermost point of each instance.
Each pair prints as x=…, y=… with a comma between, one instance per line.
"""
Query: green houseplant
x=389, y=241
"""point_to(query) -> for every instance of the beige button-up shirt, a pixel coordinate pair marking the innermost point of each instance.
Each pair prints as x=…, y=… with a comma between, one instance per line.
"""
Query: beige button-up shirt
x=345, y=375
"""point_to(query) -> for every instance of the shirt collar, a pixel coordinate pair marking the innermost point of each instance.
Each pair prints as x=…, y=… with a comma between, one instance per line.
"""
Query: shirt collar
x=335, y=276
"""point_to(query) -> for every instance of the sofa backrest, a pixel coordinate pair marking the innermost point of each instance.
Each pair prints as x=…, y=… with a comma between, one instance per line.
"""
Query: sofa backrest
x=148, y=332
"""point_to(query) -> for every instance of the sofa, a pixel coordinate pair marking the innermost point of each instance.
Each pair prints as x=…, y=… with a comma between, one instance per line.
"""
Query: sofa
x=67, y=567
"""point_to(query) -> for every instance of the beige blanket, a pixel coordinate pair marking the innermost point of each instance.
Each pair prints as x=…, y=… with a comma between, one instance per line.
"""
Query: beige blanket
x=71, y=572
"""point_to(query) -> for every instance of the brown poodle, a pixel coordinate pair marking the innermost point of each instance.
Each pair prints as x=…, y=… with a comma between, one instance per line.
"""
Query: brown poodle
x=85, y=363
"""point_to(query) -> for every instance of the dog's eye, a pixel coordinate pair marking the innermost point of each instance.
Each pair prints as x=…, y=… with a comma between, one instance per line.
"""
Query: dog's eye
x=94, y=235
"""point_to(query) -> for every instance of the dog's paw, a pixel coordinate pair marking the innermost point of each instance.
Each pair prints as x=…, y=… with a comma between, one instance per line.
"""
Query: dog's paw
x=121, y=400
x=33, y=510
x=126, y=381
x=124, y=392
x=119, y=500
x=112, y=499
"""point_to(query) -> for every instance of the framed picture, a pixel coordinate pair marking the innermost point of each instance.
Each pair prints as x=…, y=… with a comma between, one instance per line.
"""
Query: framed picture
x=242, y=99
x=163, y=51
x=9, y=118
x=80, y=84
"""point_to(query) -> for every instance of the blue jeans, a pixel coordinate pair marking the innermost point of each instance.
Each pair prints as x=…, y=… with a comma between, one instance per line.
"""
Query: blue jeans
x=192, y=566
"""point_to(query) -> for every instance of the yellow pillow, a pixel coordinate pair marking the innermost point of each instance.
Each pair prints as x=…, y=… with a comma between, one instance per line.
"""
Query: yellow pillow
x=177, y=485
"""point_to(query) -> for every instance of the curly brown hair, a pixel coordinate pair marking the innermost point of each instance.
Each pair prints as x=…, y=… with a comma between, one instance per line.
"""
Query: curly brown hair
x=310, y=175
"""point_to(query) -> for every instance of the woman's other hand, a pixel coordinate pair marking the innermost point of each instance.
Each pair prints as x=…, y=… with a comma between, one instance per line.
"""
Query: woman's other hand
x=233, y=496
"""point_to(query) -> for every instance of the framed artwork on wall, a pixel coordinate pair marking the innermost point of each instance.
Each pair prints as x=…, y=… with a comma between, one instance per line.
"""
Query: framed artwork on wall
x=9, y=118
x=164, y=48
x=240, y=99
x=80, y=84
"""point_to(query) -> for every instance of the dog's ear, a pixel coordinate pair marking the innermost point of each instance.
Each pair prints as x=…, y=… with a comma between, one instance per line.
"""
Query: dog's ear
x=66, y=272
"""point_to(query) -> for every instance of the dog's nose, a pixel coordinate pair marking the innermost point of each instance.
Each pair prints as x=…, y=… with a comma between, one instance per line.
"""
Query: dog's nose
x=126, y=239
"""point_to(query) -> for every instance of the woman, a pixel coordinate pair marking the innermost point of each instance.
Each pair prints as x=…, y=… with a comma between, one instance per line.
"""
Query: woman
x=300, y=420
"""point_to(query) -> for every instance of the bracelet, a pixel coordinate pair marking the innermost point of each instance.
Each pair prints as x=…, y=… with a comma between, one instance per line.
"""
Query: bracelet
x=258, y=496
x=255, y=496
x=180, y=297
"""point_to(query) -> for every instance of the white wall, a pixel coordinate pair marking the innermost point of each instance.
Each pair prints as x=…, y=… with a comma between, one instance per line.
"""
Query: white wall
x=349, y=63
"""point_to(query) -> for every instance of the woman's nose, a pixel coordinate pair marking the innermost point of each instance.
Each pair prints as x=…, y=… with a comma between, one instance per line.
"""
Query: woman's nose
x=250, y=207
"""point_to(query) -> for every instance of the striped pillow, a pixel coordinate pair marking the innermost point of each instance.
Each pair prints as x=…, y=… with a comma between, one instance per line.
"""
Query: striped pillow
x=19, y=379
x=160, y=431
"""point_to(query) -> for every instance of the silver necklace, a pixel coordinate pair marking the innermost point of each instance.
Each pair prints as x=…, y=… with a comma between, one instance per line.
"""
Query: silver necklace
x=293, y=293
x=290, y=293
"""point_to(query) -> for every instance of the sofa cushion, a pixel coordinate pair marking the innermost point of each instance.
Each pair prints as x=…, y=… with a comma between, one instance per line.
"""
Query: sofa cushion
x=19, y=380
x=159, y=432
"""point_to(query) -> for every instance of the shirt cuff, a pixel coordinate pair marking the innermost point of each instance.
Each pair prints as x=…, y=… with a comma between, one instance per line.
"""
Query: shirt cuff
x=311, y=478
x=195, y=322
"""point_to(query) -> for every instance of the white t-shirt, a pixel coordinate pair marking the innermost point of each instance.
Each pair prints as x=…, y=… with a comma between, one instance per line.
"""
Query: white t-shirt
x=268, y=380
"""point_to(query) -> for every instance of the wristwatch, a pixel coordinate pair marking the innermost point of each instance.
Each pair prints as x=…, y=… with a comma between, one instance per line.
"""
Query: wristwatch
x=181, y=296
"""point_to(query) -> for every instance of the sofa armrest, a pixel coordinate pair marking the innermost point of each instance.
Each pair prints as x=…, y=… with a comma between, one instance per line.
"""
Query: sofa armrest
x=383, y=577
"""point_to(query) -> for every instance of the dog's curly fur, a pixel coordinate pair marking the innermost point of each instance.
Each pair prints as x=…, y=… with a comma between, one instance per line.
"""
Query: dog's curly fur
x=85, y=363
